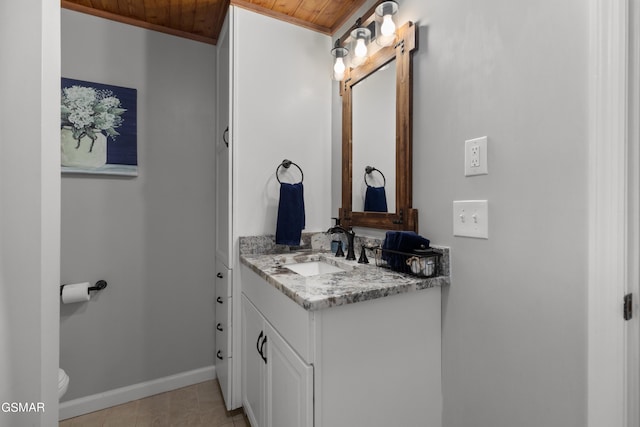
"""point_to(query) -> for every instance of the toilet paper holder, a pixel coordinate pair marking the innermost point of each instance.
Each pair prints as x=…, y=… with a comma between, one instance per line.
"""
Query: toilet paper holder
x=100, y=285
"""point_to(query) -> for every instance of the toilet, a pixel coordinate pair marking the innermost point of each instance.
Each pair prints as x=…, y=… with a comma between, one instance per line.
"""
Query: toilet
x=63, y=382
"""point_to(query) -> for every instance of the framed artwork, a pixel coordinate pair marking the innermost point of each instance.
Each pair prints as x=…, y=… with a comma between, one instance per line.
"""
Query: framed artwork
x=98, y=128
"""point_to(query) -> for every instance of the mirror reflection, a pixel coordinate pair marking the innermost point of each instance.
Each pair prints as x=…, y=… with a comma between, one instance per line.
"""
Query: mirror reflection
x=374, y=141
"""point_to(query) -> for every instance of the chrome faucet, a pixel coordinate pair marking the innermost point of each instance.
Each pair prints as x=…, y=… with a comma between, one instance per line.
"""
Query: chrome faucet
x=351, y=255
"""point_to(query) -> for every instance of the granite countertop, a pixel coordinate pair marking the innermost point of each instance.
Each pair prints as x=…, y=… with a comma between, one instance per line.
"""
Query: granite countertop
x=359, y=282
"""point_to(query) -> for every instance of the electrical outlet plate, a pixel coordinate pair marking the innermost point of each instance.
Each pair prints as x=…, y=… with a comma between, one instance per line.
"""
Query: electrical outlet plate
x=475, y=157
x=471, y=218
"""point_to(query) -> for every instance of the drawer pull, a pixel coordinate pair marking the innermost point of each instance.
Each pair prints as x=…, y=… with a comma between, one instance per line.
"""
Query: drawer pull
x=260, y=346
x=264, y=356
x=219, y=356
x=219, y=327
x=220, y=275
x=258, y=343
x=219, y=300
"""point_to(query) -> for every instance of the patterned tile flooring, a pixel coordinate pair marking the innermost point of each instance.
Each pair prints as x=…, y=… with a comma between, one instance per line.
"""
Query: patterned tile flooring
x=198, y=405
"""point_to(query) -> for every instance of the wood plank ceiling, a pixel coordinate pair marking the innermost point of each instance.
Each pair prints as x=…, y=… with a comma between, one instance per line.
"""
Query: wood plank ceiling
x=201, y=20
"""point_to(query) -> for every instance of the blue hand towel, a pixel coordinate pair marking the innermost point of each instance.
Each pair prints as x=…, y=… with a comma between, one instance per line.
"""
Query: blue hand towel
x=375, y=199
x=290, y=214
x=402, y=241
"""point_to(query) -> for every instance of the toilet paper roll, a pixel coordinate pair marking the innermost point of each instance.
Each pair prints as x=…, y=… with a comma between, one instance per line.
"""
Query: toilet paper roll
x=76, y=292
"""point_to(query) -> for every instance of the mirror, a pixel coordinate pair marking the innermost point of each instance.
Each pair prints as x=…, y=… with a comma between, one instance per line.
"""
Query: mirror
x=374, y=141
x=376, y=132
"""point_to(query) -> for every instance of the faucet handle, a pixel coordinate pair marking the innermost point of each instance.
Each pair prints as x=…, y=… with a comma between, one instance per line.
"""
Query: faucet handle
x=363, y=256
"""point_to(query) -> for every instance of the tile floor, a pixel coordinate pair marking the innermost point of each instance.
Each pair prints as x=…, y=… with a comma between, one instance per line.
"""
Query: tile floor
x=196, y=405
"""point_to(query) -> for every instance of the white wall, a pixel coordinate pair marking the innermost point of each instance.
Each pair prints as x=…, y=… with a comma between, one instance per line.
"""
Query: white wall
x=151, y=237
x=514, y=318
x=281, y=111
x=29, y=208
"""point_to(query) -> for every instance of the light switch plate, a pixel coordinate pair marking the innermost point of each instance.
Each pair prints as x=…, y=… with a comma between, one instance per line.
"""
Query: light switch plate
x=475, y=157
x=471, y=218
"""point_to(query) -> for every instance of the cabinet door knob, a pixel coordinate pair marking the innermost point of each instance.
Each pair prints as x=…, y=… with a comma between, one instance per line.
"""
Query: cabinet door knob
x=219, y=300
x=219, y=275
x=219, y=355
x=219, y=327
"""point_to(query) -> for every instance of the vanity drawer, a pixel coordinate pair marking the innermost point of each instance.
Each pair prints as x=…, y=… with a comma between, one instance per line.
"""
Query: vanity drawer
x=223, y=344
x=223, y=280
x=223, y=320
x=293, y=323
x=222, y=362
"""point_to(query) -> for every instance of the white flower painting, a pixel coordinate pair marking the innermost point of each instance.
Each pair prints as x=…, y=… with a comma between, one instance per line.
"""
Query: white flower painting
x=98, y=128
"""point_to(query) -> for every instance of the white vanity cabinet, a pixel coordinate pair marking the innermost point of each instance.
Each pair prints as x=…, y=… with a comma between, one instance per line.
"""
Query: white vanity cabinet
x=371, y=363
x=277, y=383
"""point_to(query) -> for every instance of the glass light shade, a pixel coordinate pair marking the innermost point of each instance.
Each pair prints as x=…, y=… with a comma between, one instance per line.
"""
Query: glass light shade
x=340, y=55
x=360, y=39
x=385, y=25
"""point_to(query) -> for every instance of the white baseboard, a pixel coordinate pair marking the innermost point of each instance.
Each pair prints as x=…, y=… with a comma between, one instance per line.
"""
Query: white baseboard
x=96, y=402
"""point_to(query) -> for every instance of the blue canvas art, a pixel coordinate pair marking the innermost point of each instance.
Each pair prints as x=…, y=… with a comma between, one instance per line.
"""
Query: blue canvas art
x=98, y=128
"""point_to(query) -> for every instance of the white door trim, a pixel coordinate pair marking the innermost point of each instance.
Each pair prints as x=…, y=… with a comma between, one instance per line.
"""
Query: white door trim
x=607, y=206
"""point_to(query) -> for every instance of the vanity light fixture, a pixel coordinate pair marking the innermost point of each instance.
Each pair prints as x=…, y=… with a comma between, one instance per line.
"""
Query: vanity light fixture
x=385, y=26
x=360, y=38
x=376, y=24
x=339, y=64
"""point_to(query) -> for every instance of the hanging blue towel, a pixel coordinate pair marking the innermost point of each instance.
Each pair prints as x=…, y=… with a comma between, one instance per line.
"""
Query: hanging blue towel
x=290, y=214
x=402, y=241
x=375, y=199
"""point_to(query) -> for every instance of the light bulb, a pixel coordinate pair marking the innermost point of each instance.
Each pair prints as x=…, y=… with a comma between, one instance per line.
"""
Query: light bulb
x=360, y=38
x=384, y=14
x=361, y=48
x=388, y=27
x=339, y=69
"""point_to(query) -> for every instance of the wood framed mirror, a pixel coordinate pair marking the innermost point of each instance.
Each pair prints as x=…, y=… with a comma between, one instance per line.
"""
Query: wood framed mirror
x=367, y=107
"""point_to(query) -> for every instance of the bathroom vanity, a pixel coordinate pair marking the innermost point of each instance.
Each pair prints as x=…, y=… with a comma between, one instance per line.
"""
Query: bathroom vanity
x=357, y=346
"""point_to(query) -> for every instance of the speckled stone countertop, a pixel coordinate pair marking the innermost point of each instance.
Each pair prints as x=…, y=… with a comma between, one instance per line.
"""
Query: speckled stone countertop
x=358, y=282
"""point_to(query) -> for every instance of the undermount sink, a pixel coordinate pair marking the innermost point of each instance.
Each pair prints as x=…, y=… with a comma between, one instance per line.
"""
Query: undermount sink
x=313, y=268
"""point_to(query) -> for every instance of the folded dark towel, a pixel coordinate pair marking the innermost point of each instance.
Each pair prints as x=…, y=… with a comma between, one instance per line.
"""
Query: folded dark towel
x=401, y=241
x=409, y=241
x=375, y=199
x=291, y=216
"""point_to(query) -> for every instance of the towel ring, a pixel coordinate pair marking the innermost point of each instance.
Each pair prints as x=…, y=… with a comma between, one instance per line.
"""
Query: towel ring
x=370, y=169
x=287, y=164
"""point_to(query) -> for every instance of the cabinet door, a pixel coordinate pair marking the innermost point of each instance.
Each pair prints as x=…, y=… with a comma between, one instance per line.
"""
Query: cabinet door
x=253, y=364
x=223, y=149
x=289, y=384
